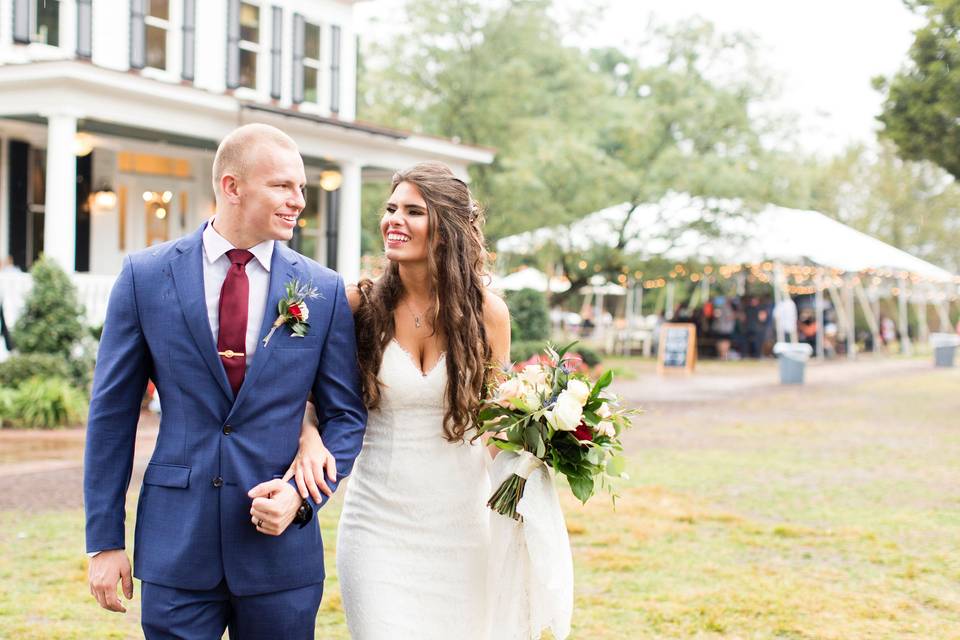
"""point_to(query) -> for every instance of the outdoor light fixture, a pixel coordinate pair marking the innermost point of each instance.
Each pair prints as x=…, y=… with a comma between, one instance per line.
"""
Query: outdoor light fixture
x=167, y=196
x=161, y=213
x=148, y=196
x=104, y=198
x=330, y=180
x=82, y=144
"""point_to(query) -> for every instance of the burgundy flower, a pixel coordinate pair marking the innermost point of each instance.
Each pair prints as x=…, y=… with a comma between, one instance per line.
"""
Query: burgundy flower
x=295, y=311
x=583, y=432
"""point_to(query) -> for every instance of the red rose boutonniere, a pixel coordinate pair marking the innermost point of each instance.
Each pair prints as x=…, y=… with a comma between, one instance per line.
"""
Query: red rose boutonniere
x=292, y=310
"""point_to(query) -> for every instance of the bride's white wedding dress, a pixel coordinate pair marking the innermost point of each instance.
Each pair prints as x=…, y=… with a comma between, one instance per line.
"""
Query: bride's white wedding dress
x=413, y=539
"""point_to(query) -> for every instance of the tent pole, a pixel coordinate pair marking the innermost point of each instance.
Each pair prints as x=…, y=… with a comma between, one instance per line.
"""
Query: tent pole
x=852, y=317
x=905, y=347
x=943, y=310
x=818, y=302
x=923, y=333
x=777, y=301
x=868, y=315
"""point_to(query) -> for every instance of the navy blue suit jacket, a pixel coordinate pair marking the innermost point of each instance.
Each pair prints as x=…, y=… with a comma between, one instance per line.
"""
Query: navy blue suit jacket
x=193, y=524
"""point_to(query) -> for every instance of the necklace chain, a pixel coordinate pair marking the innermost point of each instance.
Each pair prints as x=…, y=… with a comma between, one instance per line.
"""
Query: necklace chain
x=417, y=322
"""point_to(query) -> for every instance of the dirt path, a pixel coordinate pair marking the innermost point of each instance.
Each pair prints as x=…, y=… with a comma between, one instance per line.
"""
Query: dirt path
x=43, y=470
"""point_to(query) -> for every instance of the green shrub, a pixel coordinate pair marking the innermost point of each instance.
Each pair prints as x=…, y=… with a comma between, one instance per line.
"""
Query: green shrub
x=523, y=349
x=19, y=368
x=47, y=403
x=52, y=318
x=7, y=395
x=529, y=317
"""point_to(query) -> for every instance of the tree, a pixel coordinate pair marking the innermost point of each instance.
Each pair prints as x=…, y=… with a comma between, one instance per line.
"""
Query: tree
x=922, y=101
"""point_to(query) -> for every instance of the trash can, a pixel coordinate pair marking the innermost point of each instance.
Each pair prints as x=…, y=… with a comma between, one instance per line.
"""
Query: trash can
x=944, y=348
x=793, y=360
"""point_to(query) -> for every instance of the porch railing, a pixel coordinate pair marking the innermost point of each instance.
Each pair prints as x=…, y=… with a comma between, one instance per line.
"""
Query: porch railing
x=93, y=291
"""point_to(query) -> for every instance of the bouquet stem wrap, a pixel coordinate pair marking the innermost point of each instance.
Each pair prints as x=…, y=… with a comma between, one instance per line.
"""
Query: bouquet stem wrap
x=530, y=576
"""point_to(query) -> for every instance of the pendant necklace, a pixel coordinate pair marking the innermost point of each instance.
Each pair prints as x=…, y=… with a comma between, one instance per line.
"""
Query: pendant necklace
x=416, y=316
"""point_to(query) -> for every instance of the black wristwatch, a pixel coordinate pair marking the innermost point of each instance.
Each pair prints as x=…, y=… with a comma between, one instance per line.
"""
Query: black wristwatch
x=304, y=513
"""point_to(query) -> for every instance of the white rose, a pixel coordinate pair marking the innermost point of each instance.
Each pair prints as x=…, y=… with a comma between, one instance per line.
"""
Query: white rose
x=566, y=413
x=508, y=390
x=534, y=375
x=606, y=428
x=604, y=411
x=579, y=389
x=304, y=311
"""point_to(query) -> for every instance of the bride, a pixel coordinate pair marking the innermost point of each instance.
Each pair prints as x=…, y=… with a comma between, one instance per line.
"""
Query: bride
x=413, y=538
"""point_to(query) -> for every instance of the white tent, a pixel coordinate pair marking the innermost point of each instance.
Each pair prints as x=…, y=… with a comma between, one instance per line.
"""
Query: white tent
x=684, y=228
x=669, y=229
x=530, y=278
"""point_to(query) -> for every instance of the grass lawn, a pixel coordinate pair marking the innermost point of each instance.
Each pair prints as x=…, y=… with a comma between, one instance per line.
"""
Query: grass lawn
x=808, y=513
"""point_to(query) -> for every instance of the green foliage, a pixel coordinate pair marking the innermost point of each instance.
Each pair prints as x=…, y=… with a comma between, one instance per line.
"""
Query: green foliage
x=529, y=317
x=46, y=403
x=521, y=350
x=20, y=367
x=922, y=101
x=51, y=320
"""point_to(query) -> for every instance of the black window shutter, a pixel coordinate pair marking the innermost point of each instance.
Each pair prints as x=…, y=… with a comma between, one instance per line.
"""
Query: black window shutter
x=21, y=21
x=275, y=49
x=84, y=28
x=298, y=43
x=189, y=38
x=138, y=35
x=233, y=44
x=335, y=69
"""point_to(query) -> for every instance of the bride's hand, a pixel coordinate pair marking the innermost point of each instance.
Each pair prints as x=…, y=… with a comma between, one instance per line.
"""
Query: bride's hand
x=312, y=461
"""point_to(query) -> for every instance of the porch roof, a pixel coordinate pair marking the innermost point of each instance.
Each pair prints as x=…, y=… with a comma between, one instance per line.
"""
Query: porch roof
x=123, y=103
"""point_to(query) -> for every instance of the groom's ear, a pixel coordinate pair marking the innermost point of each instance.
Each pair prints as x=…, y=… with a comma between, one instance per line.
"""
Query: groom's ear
x=230, y=188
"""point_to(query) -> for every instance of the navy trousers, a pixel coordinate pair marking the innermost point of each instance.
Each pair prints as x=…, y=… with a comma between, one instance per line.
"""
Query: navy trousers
x=182, y=614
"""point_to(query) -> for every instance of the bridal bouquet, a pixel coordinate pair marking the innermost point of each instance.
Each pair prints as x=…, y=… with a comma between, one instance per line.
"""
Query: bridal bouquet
x=551, y=415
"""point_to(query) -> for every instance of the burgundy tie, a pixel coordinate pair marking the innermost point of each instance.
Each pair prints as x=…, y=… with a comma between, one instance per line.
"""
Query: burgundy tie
x=234, y=303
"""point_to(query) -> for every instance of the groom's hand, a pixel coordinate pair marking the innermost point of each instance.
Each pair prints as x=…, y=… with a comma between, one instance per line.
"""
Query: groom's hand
x=106, y=569
x=274, y=507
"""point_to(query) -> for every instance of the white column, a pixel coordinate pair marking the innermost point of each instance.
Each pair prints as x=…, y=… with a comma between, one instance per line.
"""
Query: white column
x=60, y=210
x=348, y=224
x=906, y=347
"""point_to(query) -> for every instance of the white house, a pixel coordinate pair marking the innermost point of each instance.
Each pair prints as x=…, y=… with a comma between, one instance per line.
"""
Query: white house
x=127, y=100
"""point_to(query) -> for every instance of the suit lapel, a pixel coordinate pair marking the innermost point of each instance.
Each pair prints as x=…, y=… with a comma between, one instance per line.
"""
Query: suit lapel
x=187, y=271
x=281, y=272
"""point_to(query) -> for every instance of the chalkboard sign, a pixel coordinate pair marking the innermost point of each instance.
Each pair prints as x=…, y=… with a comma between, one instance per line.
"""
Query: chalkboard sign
x=678, y=347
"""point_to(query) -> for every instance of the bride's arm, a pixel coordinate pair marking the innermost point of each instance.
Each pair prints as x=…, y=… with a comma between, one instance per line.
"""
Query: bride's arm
x=312, y=459
x=496, y=320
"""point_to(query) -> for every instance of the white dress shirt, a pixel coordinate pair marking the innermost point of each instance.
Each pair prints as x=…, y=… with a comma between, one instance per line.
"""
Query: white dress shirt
x=215, y=267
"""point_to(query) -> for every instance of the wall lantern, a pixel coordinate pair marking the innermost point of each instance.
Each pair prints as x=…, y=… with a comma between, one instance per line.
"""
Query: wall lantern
x=104, y=198
x=330, y=180
x=82, y=144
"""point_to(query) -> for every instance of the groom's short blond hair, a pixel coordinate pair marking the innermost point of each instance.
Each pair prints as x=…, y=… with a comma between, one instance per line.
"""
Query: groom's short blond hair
x=234, y=153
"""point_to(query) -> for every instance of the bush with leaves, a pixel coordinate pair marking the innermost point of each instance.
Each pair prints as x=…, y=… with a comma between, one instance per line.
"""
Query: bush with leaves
x=46, y=403
x=20, y=367
x=52, y=317
x=529, y=318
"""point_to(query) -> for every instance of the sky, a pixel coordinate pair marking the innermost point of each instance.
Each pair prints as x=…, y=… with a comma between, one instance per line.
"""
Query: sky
x=821, y=53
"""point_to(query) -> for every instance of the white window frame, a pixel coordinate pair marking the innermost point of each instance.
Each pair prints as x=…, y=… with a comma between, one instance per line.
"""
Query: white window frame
x=167, y=26
x=174, y=54
x=66, y=37
x=314, y=63
x=257, y=49
x=35, y=26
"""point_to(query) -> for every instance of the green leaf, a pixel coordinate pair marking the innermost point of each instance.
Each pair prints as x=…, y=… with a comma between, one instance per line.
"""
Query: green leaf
x=582, y=487
x=616, y=465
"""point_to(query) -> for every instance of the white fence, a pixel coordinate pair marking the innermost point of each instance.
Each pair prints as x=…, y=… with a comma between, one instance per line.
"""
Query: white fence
x=93, y=291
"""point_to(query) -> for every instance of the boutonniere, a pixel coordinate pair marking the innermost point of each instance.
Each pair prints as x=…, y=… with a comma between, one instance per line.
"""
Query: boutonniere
x=292, y=309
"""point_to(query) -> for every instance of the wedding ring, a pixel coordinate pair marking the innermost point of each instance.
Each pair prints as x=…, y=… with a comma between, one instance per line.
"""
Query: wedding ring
x=259, y=523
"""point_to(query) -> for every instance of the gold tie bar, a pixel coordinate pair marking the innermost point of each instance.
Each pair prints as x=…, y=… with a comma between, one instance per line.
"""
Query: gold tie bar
x=230, y=353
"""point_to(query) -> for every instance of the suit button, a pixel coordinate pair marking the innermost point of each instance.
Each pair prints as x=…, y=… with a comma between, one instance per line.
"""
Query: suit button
x=218, y=482
x=227, y=430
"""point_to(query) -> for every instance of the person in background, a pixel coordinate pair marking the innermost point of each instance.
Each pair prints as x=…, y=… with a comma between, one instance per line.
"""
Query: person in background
x=722, y=325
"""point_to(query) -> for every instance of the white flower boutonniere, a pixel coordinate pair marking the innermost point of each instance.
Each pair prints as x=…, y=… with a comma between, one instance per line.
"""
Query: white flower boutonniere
x=292, y=309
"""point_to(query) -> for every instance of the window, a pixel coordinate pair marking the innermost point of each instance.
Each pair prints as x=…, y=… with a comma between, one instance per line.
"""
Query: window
x=157, y=24
x=46, y=22
x=307, y=234
x=311, y=62
x=249, y=44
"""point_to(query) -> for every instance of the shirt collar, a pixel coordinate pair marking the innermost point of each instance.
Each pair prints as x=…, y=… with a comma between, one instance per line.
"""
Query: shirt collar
x=215, y=245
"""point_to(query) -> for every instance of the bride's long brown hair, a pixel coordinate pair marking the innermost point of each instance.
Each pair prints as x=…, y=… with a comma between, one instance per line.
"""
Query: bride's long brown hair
x=456, y=263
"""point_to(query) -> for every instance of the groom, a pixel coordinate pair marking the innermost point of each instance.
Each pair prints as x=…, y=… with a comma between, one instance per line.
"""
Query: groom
x=221, y=540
